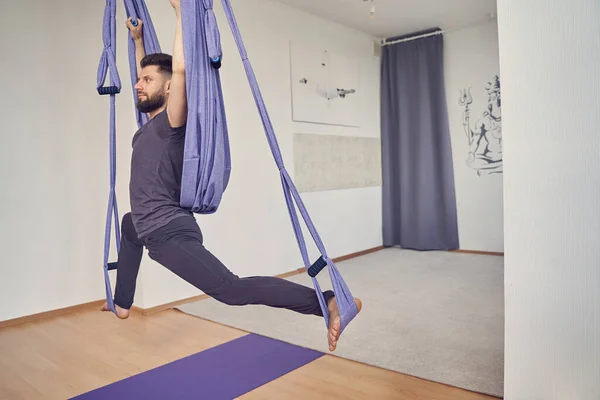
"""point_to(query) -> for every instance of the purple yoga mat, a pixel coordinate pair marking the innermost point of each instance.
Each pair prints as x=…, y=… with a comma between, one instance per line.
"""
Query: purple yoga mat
x=222, y=372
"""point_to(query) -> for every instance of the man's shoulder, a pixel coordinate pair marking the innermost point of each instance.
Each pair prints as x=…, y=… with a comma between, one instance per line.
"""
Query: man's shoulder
x=164, y=128
x=165, y=116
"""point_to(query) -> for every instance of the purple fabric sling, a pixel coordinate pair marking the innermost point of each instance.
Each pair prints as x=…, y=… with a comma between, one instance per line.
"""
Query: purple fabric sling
x=207, y=163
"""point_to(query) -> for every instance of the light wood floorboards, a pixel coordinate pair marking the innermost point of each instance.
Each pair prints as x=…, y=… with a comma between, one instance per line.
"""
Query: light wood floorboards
x=66, y=355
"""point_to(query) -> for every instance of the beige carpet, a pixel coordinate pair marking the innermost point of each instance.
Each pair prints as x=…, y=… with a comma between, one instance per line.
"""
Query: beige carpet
x=434, y=315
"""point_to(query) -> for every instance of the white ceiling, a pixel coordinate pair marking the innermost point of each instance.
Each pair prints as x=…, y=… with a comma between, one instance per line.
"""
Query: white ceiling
x=397, y=17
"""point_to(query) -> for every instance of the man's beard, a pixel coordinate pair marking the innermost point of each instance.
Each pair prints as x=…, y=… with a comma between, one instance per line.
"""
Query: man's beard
x=151, y=103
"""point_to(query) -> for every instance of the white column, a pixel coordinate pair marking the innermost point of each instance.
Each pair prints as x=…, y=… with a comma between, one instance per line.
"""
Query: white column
x=550, y=76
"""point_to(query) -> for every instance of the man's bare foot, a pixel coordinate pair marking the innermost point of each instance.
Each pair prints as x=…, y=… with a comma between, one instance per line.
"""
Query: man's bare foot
x=121, y=312
x=333, y=333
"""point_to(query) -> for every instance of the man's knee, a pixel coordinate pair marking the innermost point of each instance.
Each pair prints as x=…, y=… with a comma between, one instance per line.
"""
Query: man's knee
x=127, y=227
x=227, y=293
x=229, y=298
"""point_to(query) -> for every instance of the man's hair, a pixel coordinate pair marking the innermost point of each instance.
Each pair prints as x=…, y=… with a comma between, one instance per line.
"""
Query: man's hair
x=162, y=60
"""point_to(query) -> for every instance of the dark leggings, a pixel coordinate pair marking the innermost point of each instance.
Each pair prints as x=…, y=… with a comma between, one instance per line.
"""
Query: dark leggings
x=178, y=246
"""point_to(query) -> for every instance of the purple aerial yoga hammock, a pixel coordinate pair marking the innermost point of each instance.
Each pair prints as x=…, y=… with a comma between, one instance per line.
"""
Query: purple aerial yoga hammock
x=207, y=163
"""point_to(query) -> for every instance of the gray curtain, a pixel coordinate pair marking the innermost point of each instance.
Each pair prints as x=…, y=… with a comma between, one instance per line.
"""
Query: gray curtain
x=419, y=202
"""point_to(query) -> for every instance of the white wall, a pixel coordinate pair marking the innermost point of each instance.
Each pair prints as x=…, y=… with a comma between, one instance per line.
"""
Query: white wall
x=55, y=166
x=549, y=53
x=471, y=61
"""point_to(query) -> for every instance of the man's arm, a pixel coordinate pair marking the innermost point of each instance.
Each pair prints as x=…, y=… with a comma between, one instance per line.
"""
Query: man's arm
x=138, y=39
x=177, y=105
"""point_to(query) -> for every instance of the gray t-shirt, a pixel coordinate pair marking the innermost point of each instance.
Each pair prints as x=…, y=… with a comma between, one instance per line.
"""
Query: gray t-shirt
x=156, y=165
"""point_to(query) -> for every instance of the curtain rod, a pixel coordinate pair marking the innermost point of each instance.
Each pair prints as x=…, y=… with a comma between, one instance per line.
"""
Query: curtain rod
x=384, y=43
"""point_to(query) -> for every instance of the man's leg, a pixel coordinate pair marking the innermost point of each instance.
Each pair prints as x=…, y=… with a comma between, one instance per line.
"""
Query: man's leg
x=179, y=247
x=128, y=264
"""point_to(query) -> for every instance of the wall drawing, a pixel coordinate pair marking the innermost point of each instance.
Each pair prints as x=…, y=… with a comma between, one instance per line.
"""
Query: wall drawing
x=484, y=136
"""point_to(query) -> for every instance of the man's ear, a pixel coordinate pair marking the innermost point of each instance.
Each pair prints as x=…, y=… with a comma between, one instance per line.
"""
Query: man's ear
x=168, y=84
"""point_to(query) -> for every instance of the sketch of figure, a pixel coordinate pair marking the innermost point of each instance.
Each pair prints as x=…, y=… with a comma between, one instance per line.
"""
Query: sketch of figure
x=485, y=137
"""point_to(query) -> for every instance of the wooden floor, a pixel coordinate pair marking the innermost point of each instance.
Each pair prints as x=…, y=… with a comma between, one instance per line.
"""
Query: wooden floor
x=64, y=356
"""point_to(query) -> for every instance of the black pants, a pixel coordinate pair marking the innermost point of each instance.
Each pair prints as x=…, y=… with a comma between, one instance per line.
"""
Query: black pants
x=178, y=246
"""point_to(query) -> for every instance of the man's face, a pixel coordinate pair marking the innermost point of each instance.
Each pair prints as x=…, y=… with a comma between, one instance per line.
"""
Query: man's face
x=152, y=89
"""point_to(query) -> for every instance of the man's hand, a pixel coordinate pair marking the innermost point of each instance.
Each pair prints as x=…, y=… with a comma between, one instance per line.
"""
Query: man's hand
x=136, y=31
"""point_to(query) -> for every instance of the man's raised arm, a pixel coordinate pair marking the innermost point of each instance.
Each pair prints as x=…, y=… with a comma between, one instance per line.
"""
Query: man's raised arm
x=138, y=39
x=177, y=104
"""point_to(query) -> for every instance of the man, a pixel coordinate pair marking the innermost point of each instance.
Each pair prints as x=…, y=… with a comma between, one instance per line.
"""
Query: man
x=169, y=232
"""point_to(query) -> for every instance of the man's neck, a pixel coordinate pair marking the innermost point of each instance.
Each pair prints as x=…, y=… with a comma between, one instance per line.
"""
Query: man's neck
x=154, y=113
